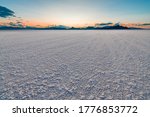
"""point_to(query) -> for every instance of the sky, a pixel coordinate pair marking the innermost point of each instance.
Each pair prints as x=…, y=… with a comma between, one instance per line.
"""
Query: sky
x=76, y=12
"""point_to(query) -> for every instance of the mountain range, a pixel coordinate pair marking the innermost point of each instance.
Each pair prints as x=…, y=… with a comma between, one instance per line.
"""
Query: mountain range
x=62, y=27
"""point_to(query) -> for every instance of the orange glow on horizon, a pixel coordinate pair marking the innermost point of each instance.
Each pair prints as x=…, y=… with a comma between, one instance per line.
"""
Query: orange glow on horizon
x=74, y=23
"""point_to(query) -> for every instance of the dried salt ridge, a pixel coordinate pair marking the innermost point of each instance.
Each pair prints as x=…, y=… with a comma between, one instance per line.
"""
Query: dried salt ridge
x=112, y=64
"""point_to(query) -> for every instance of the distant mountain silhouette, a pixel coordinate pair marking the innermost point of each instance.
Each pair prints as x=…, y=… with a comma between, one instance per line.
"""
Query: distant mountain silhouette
x=9, y=28
x=113, y=27
x=62, y=27
x=59, y=27
x=116, y=26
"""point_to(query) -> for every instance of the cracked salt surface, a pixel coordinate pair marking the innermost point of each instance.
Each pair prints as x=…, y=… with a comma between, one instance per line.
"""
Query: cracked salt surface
x=75, y=64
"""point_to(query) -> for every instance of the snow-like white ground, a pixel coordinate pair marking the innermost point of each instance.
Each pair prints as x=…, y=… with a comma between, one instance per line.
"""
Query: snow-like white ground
x=75, y=64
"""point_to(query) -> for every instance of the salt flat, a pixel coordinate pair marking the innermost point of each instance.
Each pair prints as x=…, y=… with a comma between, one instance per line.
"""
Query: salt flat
x=111, y=64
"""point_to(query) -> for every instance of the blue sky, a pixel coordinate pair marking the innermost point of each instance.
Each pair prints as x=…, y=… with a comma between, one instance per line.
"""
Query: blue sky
x=80, y=12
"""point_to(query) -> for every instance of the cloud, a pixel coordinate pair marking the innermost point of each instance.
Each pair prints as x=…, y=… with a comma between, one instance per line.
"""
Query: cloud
x=103, y=24
x=16, y=24
x=145, y=24
x=5, y=12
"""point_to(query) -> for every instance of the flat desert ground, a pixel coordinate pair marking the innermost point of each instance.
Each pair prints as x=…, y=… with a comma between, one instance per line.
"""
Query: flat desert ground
x=75, y=64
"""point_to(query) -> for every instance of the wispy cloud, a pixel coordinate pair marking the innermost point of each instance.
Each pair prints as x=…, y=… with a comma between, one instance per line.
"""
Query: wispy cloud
x=145, y=24
x=17, y=24
x=5, y=12
x=103, y=24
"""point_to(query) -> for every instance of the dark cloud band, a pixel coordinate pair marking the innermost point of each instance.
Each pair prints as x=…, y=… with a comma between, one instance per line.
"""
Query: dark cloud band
x=5, y=12
x=103, y=24
x=146, y=24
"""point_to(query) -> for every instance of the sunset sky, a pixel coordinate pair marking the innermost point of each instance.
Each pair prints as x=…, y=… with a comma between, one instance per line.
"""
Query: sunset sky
x=76, y=12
